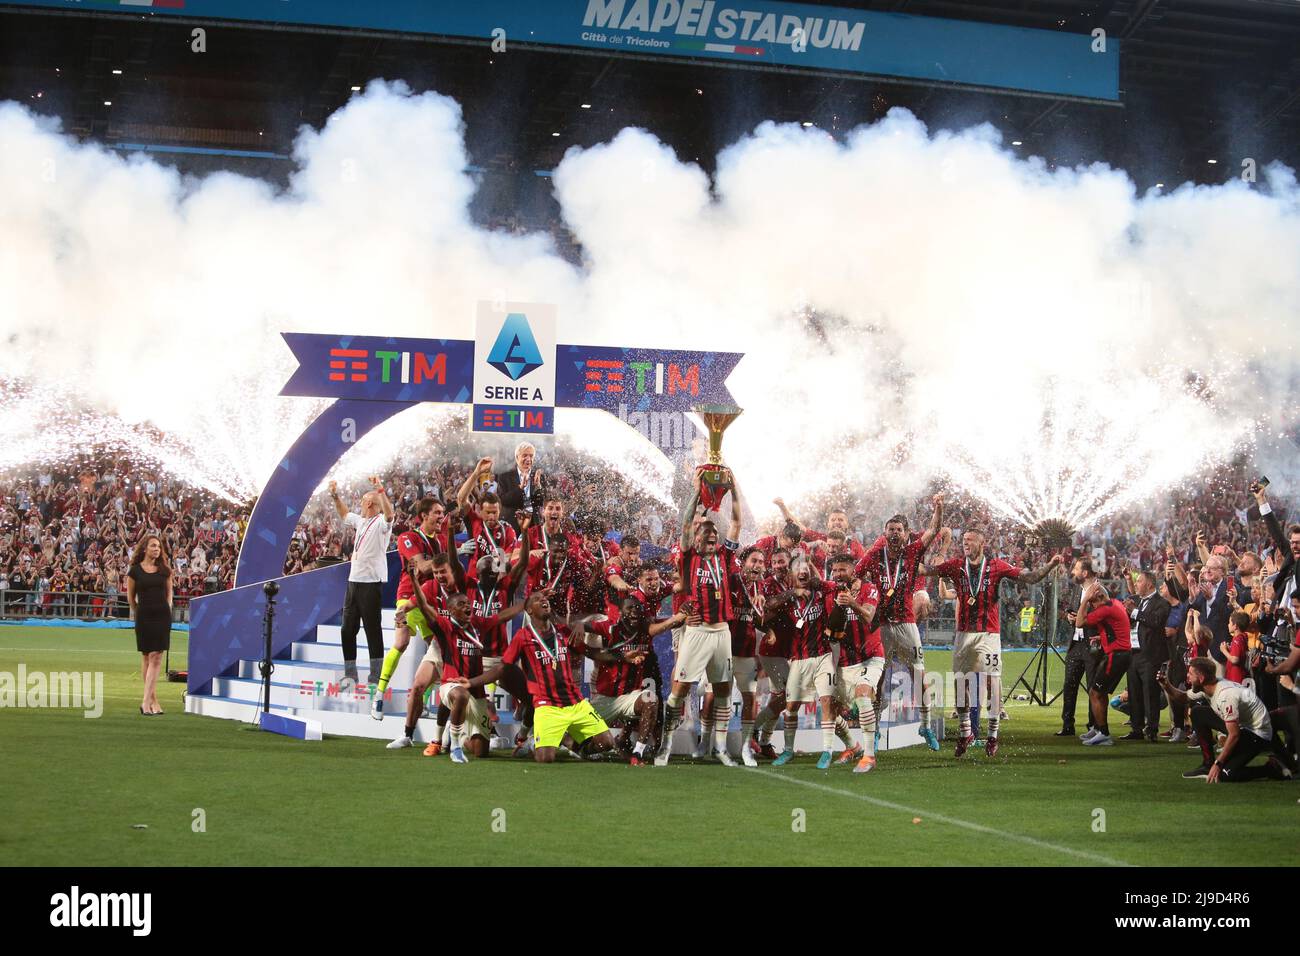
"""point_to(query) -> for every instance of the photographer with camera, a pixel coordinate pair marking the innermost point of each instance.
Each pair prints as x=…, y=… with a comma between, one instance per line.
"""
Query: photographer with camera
x=1280, y=659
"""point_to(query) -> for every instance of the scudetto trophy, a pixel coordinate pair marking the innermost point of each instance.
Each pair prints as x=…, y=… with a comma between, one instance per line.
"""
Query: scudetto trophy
x=715, y=477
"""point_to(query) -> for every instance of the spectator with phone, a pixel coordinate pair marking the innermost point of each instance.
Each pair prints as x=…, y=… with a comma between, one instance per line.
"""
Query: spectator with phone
x=1211, y=603
x=1288, y=548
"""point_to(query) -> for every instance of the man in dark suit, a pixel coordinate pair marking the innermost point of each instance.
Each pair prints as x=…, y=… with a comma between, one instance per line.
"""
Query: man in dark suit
x=1287, y=581
x=1213, y=605
x=520, y=488
x=1150, y=613
x=1080, y=659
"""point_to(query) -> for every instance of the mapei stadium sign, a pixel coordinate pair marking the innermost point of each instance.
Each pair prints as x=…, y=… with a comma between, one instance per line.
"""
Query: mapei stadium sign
x=756, y=33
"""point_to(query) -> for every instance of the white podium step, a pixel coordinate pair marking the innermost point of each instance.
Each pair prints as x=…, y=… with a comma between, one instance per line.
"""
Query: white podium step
x=327, y=653
x=336, y=723
x=333, y=634
x=303, y=697
x=299, y=673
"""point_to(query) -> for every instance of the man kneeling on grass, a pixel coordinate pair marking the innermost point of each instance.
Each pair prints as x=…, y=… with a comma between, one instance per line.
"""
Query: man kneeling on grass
x=545, y=651
x=1235, y=710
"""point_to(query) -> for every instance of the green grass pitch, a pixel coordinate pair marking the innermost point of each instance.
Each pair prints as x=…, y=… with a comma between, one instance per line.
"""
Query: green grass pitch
x=73, y=789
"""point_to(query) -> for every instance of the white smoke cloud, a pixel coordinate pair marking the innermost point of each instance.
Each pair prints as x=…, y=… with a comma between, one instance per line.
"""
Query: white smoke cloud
x=962, y=296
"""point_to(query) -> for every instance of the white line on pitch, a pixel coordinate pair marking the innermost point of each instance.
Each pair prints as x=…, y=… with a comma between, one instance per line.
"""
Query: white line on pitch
x=942, y=818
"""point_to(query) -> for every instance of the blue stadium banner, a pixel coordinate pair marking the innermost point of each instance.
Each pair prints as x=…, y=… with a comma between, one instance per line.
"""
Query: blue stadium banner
x=379, y=369
x=755, y=32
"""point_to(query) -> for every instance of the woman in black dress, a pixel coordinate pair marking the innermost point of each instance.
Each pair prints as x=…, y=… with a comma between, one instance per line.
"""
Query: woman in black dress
x=149, y=593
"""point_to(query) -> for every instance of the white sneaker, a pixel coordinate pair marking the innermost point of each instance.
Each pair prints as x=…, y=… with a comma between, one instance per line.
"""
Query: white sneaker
x=665, y=750
x=401, y=743
x=724, y=758
x=1092, y=732
x=377, y=707
x=1100, y=740
x=747, y=756
x=1177, y=736
x=702, y=747
x=458, y=756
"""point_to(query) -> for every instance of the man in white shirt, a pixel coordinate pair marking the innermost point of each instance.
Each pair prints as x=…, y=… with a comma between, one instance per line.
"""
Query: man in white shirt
x=366, y=579
x=1236, y=711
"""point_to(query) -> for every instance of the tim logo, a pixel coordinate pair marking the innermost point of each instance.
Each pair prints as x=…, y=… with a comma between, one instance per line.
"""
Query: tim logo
x=75, y=908
x=515, y=352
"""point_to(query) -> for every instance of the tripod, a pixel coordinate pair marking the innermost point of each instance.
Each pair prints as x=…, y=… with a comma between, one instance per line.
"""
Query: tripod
x=1040, y=662
x=271, y=589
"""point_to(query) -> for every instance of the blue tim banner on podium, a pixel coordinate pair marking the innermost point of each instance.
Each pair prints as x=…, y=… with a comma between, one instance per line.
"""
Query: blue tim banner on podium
x=508, y=418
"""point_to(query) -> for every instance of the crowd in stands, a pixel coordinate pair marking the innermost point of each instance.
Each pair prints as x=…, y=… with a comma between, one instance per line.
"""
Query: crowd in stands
x=66, y=532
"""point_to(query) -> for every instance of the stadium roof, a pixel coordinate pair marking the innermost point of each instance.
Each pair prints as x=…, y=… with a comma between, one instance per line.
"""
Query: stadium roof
x=1201, y=80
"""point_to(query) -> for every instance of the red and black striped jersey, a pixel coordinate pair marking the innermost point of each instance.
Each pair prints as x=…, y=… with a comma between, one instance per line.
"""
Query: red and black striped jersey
x=807, y=616
x=537, y=538
x=654, y=600
x=488, y=537
x=896, y=578
x=547, y=659
x=979, y=581
x=618, y=678
x=768, y=545
x=744, y=626
x=613, y=596
x=462, y=648
x=587, y=589
x=706, y=580
x=488, y=602
x=782, y=625
x=852, y=546
x=437, y=596
x=557, y=574
x=861, y=640
x=413, y=544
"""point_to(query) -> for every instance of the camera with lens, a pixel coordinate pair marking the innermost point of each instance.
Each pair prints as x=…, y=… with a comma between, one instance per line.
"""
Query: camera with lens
x=1276, y=647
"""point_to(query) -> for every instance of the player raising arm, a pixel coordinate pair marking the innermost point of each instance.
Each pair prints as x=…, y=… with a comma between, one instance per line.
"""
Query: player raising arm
x=704, y=652
x=892, y=563
x=977, y=646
